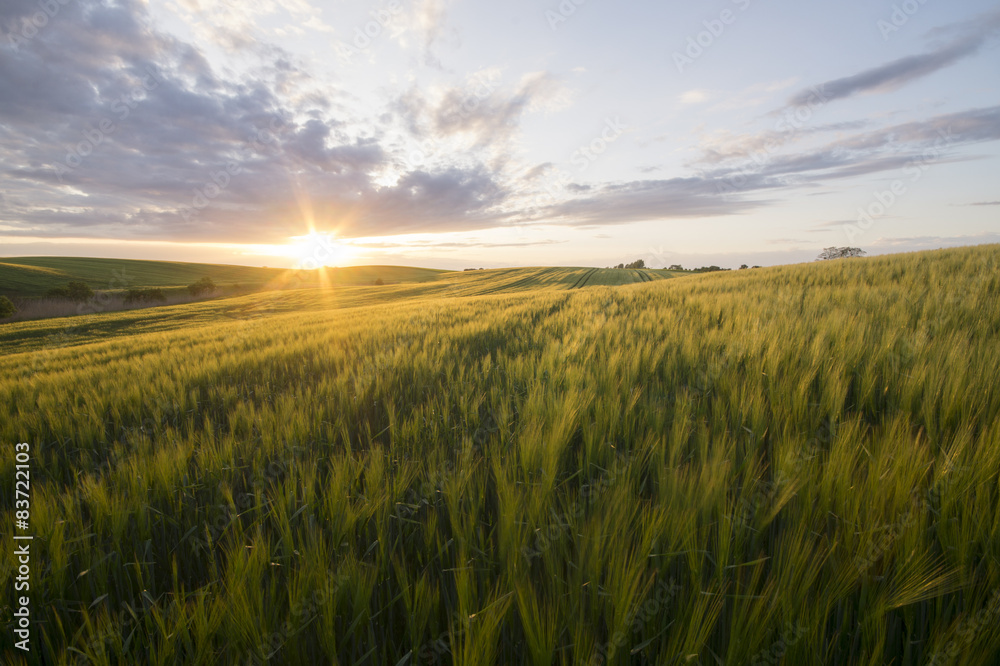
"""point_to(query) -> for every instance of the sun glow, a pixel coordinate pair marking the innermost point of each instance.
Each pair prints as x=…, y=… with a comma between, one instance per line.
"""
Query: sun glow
x=317, y=249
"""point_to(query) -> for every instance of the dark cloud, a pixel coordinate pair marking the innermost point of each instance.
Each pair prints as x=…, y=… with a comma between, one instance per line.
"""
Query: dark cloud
x=971, y=37
x=652, y=200
x=112, y=129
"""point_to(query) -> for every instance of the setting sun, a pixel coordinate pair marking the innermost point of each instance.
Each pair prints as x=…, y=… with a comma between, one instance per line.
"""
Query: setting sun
x=316, y=249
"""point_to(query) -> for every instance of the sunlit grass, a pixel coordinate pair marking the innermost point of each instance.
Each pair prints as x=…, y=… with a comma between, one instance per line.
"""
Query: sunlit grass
x=798, y=461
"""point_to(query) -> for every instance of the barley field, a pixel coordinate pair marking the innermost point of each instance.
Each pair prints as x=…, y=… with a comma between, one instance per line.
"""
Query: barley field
x=792, y=465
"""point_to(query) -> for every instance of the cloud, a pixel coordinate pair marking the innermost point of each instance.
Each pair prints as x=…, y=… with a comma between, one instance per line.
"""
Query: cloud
x=92, y=151
x=449, y=245
x=113, y=129
x=482, y=110
x=429, y=18
x=726, y=146
x=694, y=96
x=641, y=200
x=727, y=190
x=973, y=35
x=479, y=111
x=886, y=149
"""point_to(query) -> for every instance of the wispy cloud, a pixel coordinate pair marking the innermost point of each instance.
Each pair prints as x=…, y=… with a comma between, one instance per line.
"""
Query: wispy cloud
x=885, y=149
x=972, y=37
x=696, y=96
x=635, y=201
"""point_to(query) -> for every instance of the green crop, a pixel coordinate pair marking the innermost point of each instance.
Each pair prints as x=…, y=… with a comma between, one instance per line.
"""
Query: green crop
x=790, y=465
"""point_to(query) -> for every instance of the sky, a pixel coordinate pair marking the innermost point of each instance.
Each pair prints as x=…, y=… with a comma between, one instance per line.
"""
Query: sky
x=461, y=133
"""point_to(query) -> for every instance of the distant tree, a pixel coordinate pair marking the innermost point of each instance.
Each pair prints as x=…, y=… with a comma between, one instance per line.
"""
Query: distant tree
x=743, y=266
x=79, y=291
x=202, y=286
x=620, y=266
x=840, y=253
x=7, y=308
x=676, y=267
x=755, y=267
x=133, y=296
x=638, y=263
x=57, y=292
x=378, y=282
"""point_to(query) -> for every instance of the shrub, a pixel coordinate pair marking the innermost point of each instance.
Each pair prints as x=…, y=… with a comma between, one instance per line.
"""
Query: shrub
x=7, y=308
x=74, y=291
x=202, y=286
x=378, y=282
x=133, y=296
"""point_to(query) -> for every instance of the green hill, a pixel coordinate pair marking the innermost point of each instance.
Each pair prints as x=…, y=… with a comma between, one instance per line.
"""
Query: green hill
x=343, y=288
x=354, y=275
x=33, y=276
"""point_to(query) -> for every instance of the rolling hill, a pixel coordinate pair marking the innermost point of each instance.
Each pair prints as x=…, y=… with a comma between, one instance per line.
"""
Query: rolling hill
x=33, y=276
x=424, y=284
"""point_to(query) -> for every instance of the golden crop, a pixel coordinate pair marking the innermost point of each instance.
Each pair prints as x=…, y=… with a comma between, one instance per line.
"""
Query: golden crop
x=793, y=463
